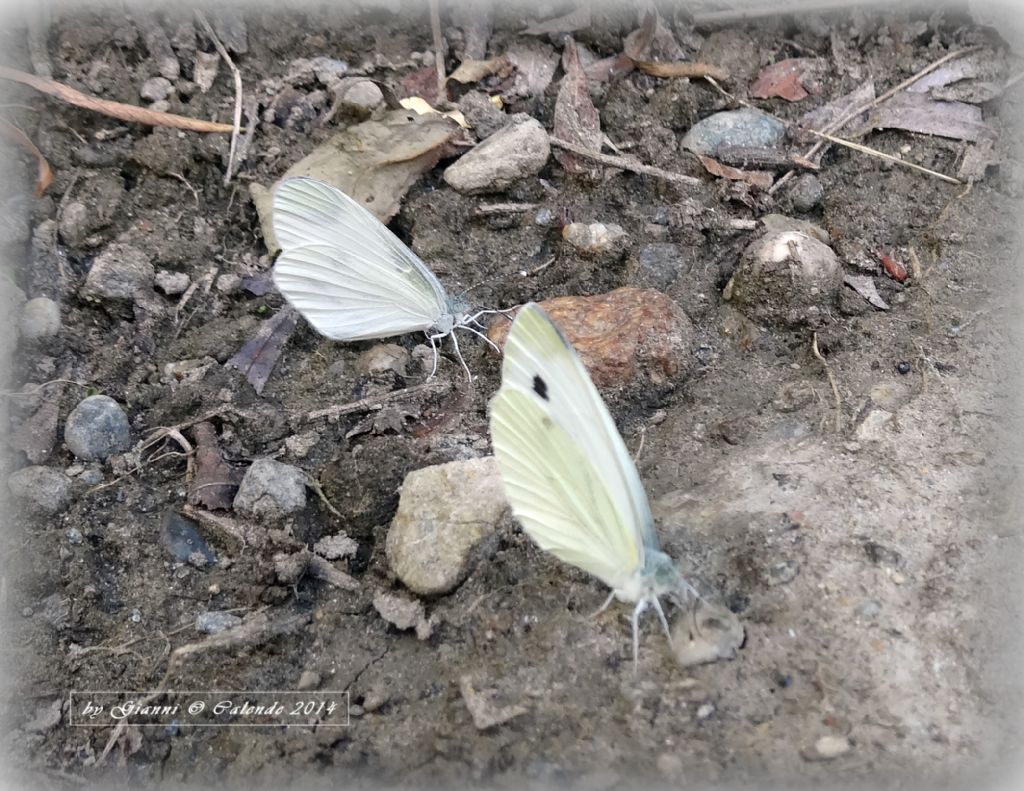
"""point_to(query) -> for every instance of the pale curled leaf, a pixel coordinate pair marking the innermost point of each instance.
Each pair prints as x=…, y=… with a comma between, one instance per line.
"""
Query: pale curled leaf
x=470, y=71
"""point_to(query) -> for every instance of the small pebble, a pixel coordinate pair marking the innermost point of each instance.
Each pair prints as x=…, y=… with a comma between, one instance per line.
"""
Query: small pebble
x=74, y=536
x=309, y=679
x=783, y=572
x=228, y=283
x=593, y=238
x=271, y=490
x=881, y=555
x=120, y=273
x=214, y=621
x=544, y=217
x=156, y=89
x=181, y=538
x=97, y=428
x=171, y=283
x=43, y=489
x=705, y=711
x=361, y=97
x=657, y=266
x=744, y=127
x=903, y=367
x=868, y=609
x=806, y=192
x=299, y=445
x=827, y=748
x=40, y=318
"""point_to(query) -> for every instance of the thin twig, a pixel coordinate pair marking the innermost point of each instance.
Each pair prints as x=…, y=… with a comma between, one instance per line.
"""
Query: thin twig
x=316, y=487
x=236, y=125
x=369, y=404
x=538, y=269
x=828, y=138
x=623, y=164
x=843, y=120
x=831, y=381
x=435, y=29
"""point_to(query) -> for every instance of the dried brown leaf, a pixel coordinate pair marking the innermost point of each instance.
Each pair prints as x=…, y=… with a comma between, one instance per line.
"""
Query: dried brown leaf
x=681, y=69
x=44, y=175
x=216, y=481
x=125, y=112
x=475, y=70
x=761, y=179
x=791, y=79
x=256, y=359
x=915, y=112
x=576, y=118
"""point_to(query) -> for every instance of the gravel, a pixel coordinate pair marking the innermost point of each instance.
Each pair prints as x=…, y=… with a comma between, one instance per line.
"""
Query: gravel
x=97, y=428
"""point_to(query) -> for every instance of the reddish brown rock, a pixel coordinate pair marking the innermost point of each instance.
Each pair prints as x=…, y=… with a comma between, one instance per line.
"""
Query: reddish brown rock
x=625, y=336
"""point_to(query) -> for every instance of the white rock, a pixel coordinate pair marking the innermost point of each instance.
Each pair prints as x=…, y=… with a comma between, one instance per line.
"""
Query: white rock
x=171, y=283
x=592, y=238
x=40, y=318
x=444, y=512
x=515, y=152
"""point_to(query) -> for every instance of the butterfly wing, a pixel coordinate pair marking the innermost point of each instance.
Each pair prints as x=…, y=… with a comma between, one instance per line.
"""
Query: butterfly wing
x=613, y=521
x=344, y=271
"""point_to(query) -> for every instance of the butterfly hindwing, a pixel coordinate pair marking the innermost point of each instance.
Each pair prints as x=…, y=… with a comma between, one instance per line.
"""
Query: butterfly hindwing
x=340, y=263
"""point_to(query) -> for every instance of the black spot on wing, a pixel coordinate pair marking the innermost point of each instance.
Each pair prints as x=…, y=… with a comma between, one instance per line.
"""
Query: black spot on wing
x=540, y=387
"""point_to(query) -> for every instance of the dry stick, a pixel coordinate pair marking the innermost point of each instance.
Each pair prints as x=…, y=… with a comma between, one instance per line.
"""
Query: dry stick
x=623, y=164
x=832, y=139
x=843, y=120
x=236, y=126
x=126, y=112
x=831, y=381
x=370, y=403
x=435, y=29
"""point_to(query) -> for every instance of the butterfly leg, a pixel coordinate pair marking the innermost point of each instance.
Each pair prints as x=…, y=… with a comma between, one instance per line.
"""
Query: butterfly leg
x=637, y=612
x=433, y=348
x=603, y=607
x=458, y=353
x=663, y=619
x=491, y=343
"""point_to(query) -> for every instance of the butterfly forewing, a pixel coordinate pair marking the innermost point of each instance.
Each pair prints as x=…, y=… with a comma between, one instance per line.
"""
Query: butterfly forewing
x=539, y=361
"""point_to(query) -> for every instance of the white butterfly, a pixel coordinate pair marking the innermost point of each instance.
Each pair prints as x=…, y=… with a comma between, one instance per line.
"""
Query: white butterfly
x=351, y=278
x=567, y=474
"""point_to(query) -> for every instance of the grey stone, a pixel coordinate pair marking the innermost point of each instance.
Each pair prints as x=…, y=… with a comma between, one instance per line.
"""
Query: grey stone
x=382, y=358
x=806, y=192
x=401, y=612
x=743, y=127
x=213, y=621
x=97, y=428
x=361, y=97
x=777, y=223
x=657, y=266
x=786, y=278
x=444, y=513
x=481, y=114
x=40, y=318
x=873, y=427
x=121, y=272
x=156, y=89
x=517, y=151
x=171, y=283
x=180, y=537
x=309, y=679
x=271, y=490
x=826, y=748
x=43, y=489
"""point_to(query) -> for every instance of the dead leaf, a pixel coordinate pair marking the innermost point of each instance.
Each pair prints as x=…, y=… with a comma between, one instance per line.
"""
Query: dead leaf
x=418, y=105
x=422, y=83
x=822, y=117
x=573, y=21
x=374, y=162
x=216, y=481
x=44, y=175
x=475, y=70
x=865, y=286
x=535, y=63
x=917, y=113
x=652, y=42
x=125, y=112
x=576, y=118
x=968, y=67
x=761, y=179
x=682, y=69
x=256, y=359
x=791, y=79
